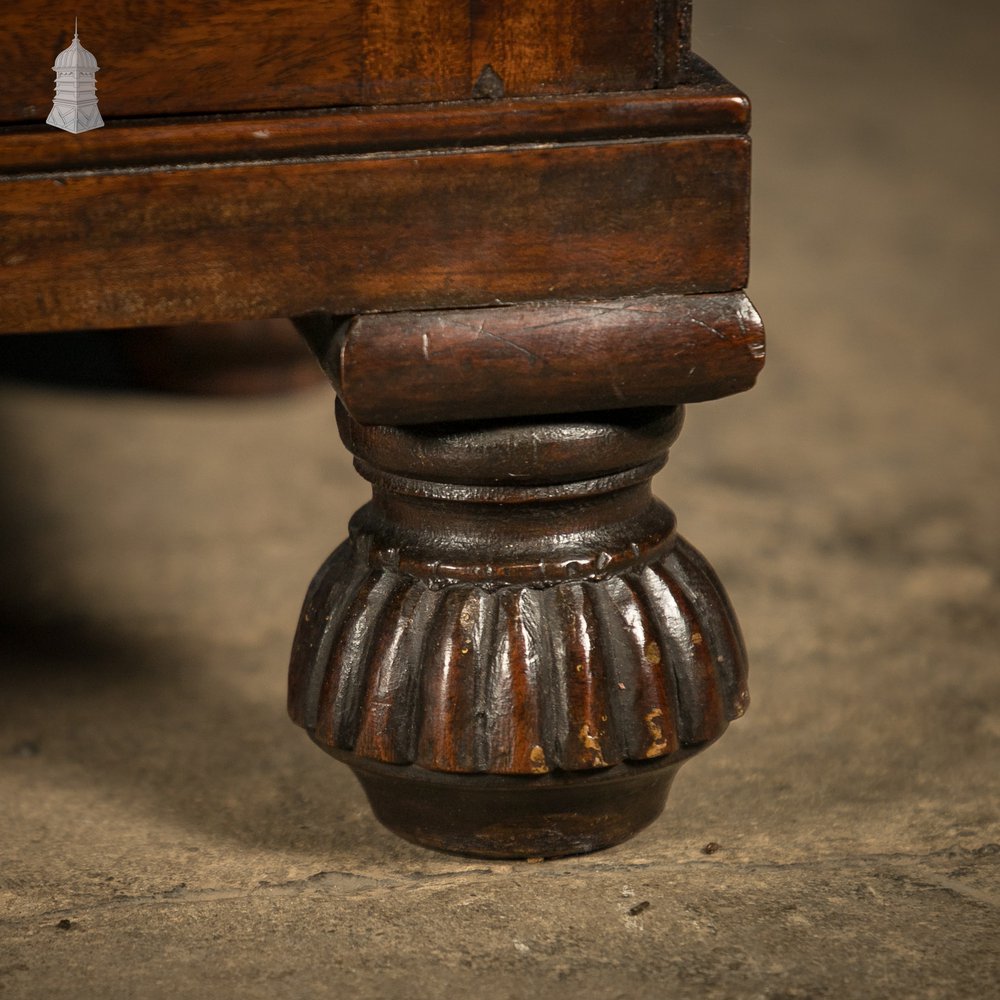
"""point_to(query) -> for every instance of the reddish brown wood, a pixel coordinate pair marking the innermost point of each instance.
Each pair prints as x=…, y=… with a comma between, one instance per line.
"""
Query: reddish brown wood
x=479, y=454
x=184, y=57
x=705, y=105
x=673, y=26
x=514, y=650
x=405, y=368
x=514, y=603
x=425, y=44
x=552, y=47
x=350, y=235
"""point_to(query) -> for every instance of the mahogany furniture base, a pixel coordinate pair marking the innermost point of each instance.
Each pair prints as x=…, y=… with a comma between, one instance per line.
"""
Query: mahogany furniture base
x=515, y=651
x=516, y=237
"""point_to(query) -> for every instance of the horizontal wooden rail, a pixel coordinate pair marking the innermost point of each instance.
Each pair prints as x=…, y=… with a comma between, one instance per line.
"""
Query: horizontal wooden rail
x=708, y=105
x=353, y=234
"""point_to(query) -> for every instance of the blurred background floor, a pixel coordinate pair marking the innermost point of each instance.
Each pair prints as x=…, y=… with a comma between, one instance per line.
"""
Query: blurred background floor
x=165, y=831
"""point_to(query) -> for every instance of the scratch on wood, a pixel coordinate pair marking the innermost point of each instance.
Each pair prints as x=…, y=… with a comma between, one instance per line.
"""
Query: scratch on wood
x=739, y=320
x=712, y=329
x=552, y=324
x=510, y=343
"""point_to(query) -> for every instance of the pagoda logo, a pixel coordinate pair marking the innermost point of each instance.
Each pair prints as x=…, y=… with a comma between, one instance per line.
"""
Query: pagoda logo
x=75, y=106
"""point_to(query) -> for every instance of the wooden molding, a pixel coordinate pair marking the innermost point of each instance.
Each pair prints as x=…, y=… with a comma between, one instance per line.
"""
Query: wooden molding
x=354, y=234
x=555, y=357
x=705, y=104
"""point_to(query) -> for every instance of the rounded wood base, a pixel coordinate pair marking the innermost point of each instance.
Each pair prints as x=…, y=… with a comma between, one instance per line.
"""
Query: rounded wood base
x=515, y=650
x=500, y=816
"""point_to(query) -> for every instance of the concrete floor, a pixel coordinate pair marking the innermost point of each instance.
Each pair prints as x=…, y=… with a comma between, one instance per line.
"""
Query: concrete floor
x=166, y=832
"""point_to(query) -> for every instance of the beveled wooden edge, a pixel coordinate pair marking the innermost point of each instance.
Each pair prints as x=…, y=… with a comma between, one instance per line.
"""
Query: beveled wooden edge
x=540, y=358
x=707, y=104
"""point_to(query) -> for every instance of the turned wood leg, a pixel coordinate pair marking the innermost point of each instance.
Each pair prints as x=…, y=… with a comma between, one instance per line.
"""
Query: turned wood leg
x=515, y=650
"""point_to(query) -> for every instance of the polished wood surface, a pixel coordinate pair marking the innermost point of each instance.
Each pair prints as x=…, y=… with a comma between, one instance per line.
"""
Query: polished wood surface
x=515, y=234
x=422, y=661
x=225, y=242
x=459, y=204
x=215, y=56
x=515, y=606
x=406, y=368
x=704, y=103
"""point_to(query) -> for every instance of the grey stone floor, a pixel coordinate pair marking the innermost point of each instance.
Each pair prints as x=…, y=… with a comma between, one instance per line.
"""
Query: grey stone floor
x=166, y=832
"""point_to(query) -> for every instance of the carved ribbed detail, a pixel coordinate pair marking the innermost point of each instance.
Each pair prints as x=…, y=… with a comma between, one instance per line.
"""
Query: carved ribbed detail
x=515, y=602
x=578, y=675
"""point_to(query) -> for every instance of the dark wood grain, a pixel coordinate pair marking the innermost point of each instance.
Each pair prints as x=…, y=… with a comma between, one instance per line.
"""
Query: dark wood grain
x=544, y=204
x=553, y=47
x=424, y=44
x=187, y=57
x=571, y=615
x=405, y=368
x=508, y=606
x=516, y=453
x=706, y=105
x=673, y=26
x=514, y=650
x=349, y=235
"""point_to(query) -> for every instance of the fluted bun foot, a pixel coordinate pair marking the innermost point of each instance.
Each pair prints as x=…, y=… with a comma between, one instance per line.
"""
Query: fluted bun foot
x=515, y=650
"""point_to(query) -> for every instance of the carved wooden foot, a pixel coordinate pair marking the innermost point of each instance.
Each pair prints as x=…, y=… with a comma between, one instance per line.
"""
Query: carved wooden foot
x=515, y=650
